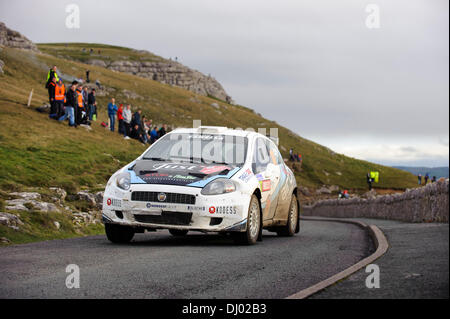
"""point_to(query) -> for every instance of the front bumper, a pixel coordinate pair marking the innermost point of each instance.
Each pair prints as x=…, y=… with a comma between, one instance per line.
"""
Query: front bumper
x=213, y=213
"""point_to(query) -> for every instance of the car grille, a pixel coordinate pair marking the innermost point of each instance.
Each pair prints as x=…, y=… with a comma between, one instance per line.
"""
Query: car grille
x=166, y=218
x=174, y=198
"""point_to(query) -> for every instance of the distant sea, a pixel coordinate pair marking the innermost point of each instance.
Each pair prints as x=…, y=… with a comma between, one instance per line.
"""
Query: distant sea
x=432, y=171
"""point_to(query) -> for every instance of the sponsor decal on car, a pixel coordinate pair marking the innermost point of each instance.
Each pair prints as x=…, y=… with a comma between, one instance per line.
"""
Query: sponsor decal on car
x=150, y=205
x=213, y=169
x=206, y=137
x=266, y=185
x=223, y=210
x=196, y=208
x=259, y=177
x=114, y=202
x=185, y=177
x=246, y=175
x=175, y=166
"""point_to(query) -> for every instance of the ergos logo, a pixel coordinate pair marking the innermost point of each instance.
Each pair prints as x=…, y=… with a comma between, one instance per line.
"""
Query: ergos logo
x=196, y=208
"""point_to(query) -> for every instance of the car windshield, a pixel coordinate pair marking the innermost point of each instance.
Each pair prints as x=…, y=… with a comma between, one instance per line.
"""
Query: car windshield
x=199, y=148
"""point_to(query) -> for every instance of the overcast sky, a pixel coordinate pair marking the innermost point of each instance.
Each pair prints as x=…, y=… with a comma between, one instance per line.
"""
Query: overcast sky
x=379, y=94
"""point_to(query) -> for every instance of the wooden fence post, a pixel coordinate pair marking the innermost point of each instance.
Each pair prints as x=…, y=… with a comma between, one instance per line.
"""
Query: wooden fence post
x=30, y=97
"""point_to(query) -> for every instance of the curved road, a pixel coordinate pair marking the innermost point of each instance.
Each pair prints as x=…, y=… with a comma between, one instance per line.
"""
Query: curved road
x=157, y=265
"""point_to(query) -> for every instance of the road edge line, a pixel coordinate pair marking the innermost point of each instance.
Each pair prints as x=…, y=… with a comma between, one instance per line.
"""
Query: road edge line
x=381, y=245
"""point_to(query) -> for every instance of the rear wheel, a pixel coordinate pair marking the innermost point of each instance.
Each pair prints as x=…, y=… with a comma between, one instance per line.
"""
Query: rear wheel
x=119, y=234
x=250, y=236
x=291, y=226
x=178, y=232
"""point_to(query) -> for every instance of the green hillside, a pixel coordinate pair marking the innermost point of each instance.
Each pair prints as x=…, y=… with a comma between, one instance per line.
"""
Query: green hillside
x=36, y=151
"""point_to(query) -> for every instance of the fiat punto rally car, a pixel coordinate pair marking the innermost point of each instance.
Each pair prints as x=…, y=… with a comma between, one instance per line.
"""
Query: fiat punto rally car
x=209, y=179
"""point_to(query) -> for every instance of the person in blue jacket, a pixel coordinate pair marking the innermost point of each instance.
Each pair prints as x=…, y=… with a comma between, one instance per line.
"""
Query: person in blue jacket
x=112, y=111
x=154, y=134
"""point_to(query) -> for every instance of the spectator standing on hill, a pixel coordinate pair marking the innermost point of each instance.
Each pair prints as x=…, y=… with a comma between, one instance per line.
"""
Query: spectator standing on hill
x=127, y=121
x=291, y=155
x=60, y=92
x=51, y=97
x=92, y=104
x=120, y=119
x=419, y=179
x=70, y=104
x=433, y=179
x=427, y=176
x=50, y=75
x=369, y=181
x=134, y=133
x=154, y=135
x=87, y=75
x=137, y=118
x=162, y=131
x=80, y=104
x=112, y=110
x=85, y=98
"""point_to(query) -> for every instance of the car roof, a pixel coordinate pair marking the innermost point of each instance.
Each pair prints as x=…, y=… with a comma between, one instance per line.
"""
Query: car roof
x=221, y=130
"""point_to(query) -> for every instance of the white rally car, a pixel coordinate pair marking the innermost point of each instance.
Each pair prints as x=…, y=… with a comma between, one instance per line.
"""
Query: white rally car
x=209, y=179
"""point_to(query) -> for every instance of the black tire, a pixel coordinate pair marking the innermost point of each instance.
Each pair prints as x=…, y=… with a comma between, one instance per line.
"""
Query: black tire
x=251, y=235
x=119, y=234
x=290, y=228
x=178, y=232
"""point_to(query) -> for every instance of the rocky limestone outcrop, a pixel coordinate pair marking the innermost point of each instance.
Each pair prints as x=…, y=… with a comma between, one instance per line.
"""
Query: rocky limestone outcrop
x=29, y=201
x=10, y=220
x=169, y=72
x=83, y=218
x=425, y=204
x=13, y=39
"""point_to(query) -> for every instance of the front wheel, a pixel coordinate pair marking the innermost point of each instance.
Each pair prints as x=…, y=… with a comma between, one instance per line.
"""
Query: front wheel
x=291, y=226
x=119, y=234
x=250, y=236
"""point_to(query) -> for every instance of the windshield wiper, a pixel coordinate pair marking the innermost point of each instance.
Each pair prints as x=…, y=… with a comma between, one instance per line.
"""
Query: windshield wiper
x=158, y=159
x=222, y=163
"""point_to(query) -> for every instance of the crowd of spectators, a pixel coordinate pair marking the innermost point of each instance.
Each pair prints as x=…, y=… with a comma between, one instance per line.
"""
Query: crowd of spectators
x=133, y=125
x=79, y=107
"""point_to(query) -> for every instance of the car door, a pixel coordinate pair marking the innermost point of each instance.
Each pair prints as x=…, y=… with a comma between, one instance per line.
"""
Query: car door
x=283, y=191
x=268, y=174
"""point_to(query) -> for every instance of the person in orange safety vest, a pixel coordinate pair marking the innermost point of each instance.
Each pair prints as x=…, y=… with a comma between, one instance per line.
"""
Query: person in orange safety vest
x=80, y=109
x=59, y=99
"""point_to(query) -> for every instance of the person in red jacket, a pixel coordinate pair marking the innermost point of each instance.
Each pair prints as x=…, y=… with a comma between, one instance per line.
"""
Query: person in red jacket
x=120, y=118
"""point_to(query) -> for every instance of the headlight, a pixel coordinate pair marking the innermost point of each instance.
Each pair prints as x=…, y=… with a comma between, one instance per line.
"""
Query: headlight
x=219, y=186
x=123, y=181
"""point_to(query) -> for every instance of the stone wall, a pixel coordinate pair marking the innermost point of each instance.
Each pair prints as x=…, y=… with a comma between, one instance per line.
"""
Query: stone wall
x=169, y=72
x=13, y=39
x=426, y=204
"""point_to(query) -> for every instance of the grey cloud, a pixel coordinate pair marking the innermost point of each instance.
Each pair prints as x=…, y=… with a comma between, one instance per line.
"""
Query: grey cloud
x=311, y=65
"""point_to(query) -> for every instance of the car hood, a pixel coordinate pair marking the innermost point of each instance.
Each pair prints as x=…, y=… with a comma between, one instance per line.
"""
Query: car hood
x=184, y=174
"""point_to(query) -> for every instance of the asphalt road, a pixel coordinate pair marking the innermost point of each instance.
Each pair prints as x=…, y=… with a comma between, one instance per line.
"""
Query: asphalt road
x=415, y=266
x=157, y=265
